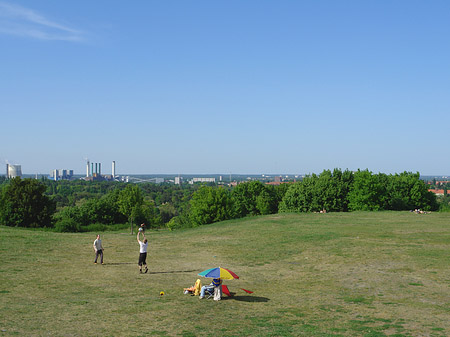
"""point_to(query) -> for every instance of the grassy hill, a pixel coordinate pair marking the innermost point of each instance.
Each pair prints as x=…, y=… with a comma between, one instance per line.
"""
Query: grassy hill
x=342, y=274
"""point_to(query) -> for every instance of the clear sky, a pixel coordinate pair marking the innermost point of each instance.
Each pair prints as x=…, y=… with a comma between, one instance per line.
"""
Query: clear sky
x=231, y=86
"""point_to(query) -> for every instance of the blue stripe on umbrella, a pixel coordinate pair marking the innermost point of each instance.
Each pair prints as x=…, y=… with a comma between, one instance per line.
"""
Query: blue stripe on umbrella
x=213, y=272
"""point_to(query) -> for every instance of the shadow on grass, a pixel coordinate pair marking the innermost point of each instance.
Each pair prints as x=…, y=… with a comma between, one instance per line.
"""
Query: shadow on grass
x=151, y=272
x=247, y=298
x=171, y=272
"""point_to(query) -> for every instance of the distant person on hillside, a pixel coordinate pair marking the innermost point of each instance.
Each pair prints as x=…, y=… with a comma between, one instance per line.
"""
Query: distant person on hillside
x=142, y=252
x=98, y=248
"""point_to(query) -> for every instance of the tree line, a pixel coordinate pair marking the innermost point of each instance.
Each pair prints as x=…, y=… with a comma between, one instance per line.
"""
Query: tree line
x=72, y=206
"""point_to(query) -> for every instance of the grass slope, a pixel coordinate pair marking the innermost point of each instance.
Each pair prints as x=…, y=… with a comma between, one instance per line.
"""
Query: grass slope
x=341, y=274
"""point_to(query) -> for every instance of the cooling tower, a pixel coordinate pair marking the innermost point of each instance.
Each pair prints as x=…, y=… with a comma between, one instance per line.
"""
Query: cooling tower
x=14, y=171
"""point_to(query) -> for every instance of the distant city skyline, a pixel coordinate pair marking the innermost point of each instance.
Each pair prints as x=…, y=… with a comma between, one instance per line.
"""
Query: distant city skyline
x=225, y=175
x=213, y=87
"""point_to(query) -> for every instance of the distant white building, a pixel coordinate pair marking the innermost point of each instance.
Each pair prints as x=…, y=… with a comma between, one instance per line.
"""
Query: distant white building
x=61, y=174
x=202, y=180
x=13, y=171
x=178, y=180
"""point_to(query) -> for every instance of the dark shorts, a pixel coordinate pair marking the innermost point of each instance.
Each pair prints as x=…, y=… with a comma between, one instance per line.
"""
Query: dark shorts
x=142, y=259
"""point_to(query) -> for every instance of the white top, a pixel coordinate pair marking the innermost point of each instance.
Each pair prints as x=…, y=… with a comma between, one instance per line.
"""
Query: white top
x=97, y=244
x=143, y=248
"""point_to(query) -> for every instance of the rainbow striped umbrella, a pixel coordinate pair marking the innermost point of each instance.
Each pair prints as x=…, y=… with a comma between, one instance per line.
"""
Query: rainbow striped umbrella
x=219, y=272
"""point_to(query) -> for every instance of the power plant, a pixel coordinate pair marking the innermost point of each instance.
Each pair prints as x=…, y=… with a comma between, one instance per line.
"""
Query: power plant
x=13, y=171
x=94, y=172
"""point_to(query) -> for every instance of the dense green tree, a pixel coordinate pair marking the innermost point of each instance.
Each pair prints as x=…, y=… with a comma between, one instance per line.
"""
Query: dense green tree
x=279, y=192
x=102, y=210
x=70, y=214
x=405, y=191
x=338, y=189
x=130, y=202
x=342, y=191
x=167, y=211
x=209, y=205
x=300, y=196
x=266, y=202
x=309, y=195
x=328, y=191
x=368, y=193
x=87, y=204
x=253, y=198
x=148, y=214
x=112, y=213
x=24, y=204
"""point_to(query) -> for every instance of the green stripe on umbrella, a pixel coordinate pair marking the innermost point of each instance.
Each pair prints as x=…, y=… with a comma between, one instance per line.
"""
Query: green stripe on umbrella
x=219, y=272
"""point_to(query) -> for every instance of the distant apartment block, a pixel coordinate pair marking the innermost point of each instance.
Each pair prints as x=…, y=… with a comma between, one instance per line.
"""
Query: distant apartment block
x=202, y=180
x=58, y=174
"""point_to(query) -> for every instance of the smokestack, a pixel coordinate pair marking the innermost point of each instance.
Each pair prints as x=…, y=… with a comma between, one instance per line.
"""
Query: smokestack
x=92, y=169
x=113, y=172
x=87, y=169
x=99, y=169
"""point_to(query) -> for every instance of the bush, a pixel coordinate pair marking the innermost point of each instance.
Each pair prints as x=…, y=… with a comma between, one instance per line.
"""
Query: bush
x=99, y=227
x=95, y=227
x=178, y=222
x=444, y=204
x=67, y=225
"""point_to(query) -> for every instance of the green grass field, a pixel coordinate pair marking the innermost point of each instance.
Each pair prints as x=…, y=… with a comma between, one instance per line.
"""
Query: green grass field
x=341, y=274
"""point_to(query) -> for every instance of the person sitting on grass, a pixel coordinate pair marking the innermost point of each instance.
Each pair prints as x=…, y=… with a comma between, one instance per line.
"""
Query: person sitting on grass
x=195, y=289
x=215, y=283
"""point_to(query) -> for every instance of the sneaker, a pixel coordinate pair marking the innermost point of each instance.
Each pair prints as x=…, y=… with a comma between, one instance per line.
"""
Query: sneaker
x=146, y=270
x=95, y=262
x=201, y=297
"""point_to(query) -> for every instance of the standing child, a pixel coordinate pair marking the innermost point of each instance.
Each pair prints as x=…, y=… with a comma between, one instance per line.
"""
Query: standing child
x=142, y=252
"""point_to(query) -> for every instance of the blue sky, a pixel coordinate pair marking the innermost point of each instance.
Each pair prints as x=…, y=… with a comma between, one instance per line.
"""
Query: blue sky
x=257, y=87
